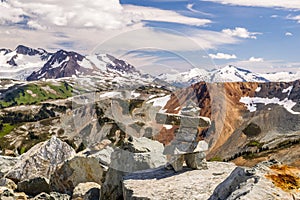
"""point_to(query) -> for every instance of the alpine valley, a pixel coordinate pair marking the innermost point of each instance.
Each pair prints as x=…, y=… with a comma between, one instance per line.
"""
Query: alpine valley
x=66, y=118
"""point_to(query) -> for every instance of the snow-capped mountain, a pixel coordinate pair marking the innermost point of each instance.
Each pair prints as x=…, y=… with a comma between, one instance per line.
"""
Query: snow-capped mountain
x=21, y=62
x=233, y=74
x=227, y=74
x=25, y=63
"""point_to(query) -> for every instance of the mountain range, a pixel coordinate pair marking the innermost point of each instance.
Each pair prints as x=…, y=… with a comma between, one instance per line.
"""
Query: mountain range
x=29, y=64
x=227, y=74
x=25, y=63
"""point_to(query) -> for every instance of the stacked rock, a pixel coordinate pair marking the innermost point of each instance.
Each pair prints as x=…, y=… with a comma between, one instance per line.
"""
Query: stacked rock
x=184, y=147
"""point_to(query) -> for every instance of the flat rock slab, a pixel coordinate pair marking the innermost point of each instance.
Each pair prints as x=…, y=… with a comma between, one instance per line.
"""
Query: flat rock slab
x=166, y=184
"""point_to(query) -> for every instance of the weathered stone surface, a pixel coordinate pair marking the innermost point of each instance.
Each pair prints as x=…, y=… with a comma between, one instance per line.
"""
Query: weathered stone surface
x=103, y=155
x=43, y=196
x=253, y=184
x=112, y=187
x=196, y=160
x=8, y=194
x=124, y=161
x=176, y=161
x=7, y=163
x=34, y=186
x=166, y=184
x=59, y=196
x=74, y=171
x=141, y=153
x=41, y=160
x=86, y=191
x=219, y=181
x=5, y=182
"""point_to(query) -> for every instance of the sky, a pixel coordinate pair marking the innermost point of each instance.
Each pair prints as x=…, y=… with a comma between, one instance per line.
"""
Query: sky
x=162, y=36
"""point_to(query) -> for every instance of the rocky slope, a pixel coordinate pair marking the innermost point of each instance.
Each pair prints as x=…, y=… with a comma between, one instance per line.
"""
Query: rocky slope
x=250, y=121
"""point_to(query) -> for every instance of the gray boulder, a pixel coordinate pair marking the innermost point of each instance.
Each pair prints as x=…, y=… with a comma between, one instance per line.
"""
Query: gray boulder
x=137, y=154
x=41, y=160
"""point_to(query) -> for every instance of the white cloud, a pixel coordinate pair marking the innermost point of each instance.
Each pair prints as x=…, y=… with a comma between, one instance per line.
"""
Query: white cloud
x=154, y=14
x=296, y=18
x=222, y=56
x=288, y=4
x=274, y=16
x=100, y=14
x=288, y=34
x=190, y=8
x=253, y=59
x=240, y=32
x=81, y=26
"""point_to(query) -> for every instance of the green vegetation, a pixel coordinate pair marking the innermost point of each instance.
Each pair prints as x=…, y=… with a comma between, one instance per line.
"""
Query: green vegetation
x=216, y=158
x=6, y=128
x=254, y=143
x=35, y=93
x=23, y=150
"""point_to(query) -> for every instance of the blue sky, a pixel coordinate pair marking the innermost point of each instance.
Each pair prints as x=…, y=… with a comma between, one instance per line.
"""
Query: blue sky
x=162, y=35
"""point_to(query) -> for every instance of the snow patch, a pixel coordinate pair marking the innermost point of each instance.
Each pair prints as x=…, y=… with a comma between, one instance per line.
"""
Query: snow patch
x=168, y=127
x=258, y=89
x=161, y=101
x=288, y=90
x=251, y=102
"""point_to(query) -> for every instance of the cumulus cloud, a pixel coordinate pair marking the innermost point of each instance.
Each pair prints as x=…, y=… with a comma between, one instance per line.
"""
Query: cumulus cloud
x=240, y=32
x=253, y=59
x=83, y=25
x=222, y=56
x=296, y=18
x=287, y=4
x=288, y=34
x=100, y=14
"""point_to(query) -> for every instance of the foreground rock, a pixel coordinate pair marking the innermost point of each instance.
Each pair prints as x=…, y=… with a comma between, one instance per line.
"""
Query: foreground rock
x=219, y=181
x=41, y=160
x=167, y=184
x=6, y=164
x=137, y=154
x=86, y=191
x=260, y=182
x=52, y=196
x=75, y=171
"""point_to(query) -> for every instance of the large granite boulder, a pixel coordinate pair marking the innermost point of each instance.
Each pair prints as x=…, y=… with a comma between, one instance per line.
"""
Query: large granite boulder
x=41, y=160
x=77, y=170
x=136, y=154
